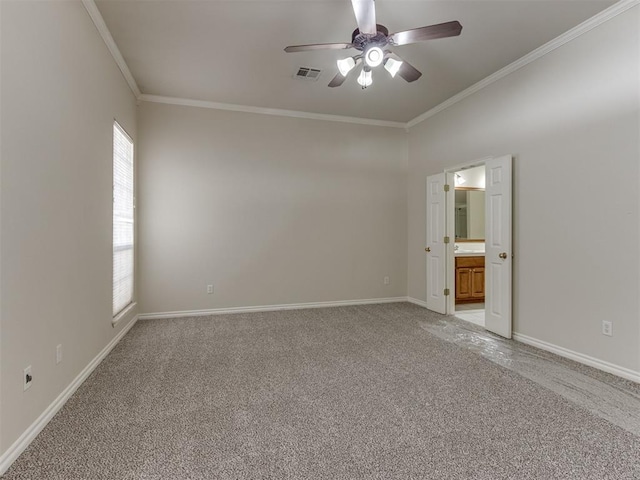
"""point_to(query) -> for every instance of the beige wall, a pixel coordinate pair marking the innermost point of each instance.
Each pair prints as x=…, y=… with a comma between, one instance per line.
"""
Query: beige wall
x=60, y=93
x=278, y=210
x=571, y=119
x=270, y=210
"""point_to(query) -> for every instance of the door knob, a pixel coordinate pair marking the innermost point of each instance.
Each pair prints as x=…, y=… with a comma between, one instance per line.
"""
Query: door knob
x=503, y=255
x=427, y=249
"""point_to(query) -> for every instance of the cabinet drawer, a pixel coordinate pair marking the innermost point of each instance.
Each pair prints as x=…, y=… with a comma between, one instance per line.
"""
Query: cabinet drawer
x=469, y=261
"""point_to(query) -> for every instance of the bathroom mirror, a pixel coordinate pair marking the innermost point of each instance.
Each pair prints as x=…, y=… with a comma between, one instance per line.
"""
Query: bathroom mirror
x=469, y=208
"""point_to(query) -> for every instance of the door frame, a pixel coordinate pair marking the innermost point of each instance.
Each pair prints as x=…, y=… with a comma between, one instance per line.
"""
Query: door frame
x=450, y=226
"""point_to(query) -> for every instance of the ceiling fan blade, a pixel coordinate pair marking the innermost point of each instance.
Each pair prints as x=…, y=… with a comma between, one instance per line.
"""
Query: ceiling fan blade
x=407, y=71
x=318, y=46
x=442, y=30
x=365, y=11
x=337, y=80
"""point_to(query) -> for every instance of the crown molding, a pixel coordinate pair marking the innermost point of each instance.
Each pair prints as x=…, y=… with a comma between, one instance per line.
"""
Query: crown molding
x=268, y=111
x=598, y=19
x=98, y=21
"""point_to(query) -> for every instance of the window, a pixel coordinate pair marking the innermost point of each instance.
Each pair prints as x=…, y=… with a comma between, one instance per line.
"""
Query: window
x=122, y=219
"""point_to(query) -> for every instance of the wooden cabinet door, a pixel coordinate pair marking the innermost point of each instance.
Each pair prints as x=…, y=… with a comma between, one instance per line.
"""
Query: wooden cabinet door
x=477, y=283
x=470, y=279
x=463, y=283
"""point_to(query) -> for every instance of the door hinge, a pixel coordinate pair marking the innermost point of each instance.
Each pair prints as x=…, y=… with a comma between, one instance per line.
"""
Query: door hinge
x=446, y=240
x=446, y=292
x=446, y=187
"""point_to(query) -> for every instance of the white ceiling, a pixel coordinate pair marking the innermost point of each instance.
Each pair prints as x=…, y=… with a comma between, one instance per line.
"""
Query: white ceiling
x=232, y=51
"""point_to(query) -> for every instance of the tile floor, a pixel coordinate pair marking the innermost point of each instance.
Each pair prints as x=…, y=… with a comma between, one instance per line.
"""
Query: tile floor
x=471, y=312
x=460, y=307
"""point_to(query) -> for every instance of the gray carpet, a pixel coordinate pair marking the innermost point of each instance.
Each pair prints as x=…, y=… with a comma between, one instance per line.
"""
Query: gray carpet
x=335, y=393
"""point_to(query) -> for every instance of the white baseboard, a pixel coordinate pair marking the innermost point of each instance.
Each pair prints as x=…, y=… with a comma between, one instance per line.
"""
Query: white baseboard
x=415, y=301
x=565, y=352
x=579, y=357
x=267, y=308
x=14, y=451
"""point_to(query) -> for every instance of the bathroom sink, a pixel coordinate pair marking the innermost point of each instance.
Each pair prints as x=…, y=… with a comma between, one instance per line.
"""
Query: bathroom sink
x=469, y=252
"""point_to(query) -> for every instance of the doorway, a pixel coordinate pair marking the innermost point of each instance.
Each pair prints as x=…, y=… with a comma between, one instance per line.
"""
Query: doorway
x=475, y=266
x=469, y=244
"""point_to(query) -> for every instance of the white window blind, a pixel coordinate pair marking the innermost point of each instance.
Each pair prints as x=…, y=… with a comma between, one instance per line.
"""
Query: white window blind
x=122, y=219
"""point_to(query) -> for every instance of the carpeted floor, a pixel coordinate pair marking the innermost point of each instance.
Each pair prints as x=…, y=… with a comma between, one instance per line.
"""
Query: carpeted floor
x=336, y=393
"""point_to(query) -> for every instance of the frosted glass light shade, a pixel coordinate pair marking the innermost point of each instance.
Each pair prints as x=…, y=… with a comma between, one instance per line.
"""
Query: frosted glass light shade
x=346, y=65
x=365, y=78
x=392, y=66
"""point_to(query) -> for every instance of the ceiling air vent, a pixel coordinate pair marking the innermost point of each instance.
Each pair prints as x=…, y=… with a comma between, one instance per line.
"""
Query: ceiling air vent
x=308, y=73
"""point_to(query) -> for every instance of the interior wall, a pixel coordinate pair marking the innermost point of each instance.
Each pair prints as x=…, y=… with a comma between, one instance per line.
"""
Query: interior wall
x=270, y=210
x=571, y=119
x=60, y=93
x=471, y=177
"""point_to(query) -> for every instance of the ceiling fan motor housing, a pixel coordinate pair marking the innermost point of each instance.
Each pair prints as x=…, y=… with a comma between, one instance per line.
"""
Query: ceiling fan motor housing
x=362, y=41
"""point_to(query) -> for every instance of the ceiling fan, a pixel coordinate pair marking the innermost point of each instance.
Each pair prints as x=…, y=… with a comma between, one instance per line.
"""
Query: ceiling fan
x=373, y=40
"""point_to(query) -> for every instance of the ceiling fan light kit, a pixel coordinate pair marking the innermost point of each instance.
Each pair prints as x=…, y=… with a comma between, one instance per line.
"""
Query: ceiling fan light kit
x=374, y=56
x=365, y=79
x=372, y=39
x=392, y=66
x=345, y=65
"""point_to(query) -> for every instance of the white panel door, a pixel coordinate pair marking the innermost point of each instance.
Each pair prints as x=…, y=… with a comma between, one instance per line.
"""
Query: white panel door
x=498, y=253
x=436, y=249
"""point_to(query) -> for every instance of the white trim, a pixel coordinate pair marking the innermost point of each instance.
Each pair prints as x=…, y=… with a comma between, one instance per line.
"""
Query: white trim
x=14, y=451
x=127, y=311
x=98, y=21
x=268, y=111
x=579, y=357
x=267, y=308
x=584, y=27
x=565, y=352
x=598, y=19
x=415, y=301
x=123, y=131
x=476, y=163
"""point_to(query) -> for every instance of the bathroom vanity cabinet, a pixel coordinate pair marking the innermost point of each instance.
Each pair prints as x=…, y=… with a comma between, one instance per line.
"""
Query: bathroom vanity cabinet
x=469, y=279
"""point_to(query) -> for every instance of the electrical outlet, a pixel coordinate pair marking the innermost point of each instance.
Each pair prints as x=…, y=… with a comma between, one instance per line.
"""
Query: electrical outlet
x=58, y=354
x=209, y=289
x=27, y=378
x=607, y=328
x=386, y=280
